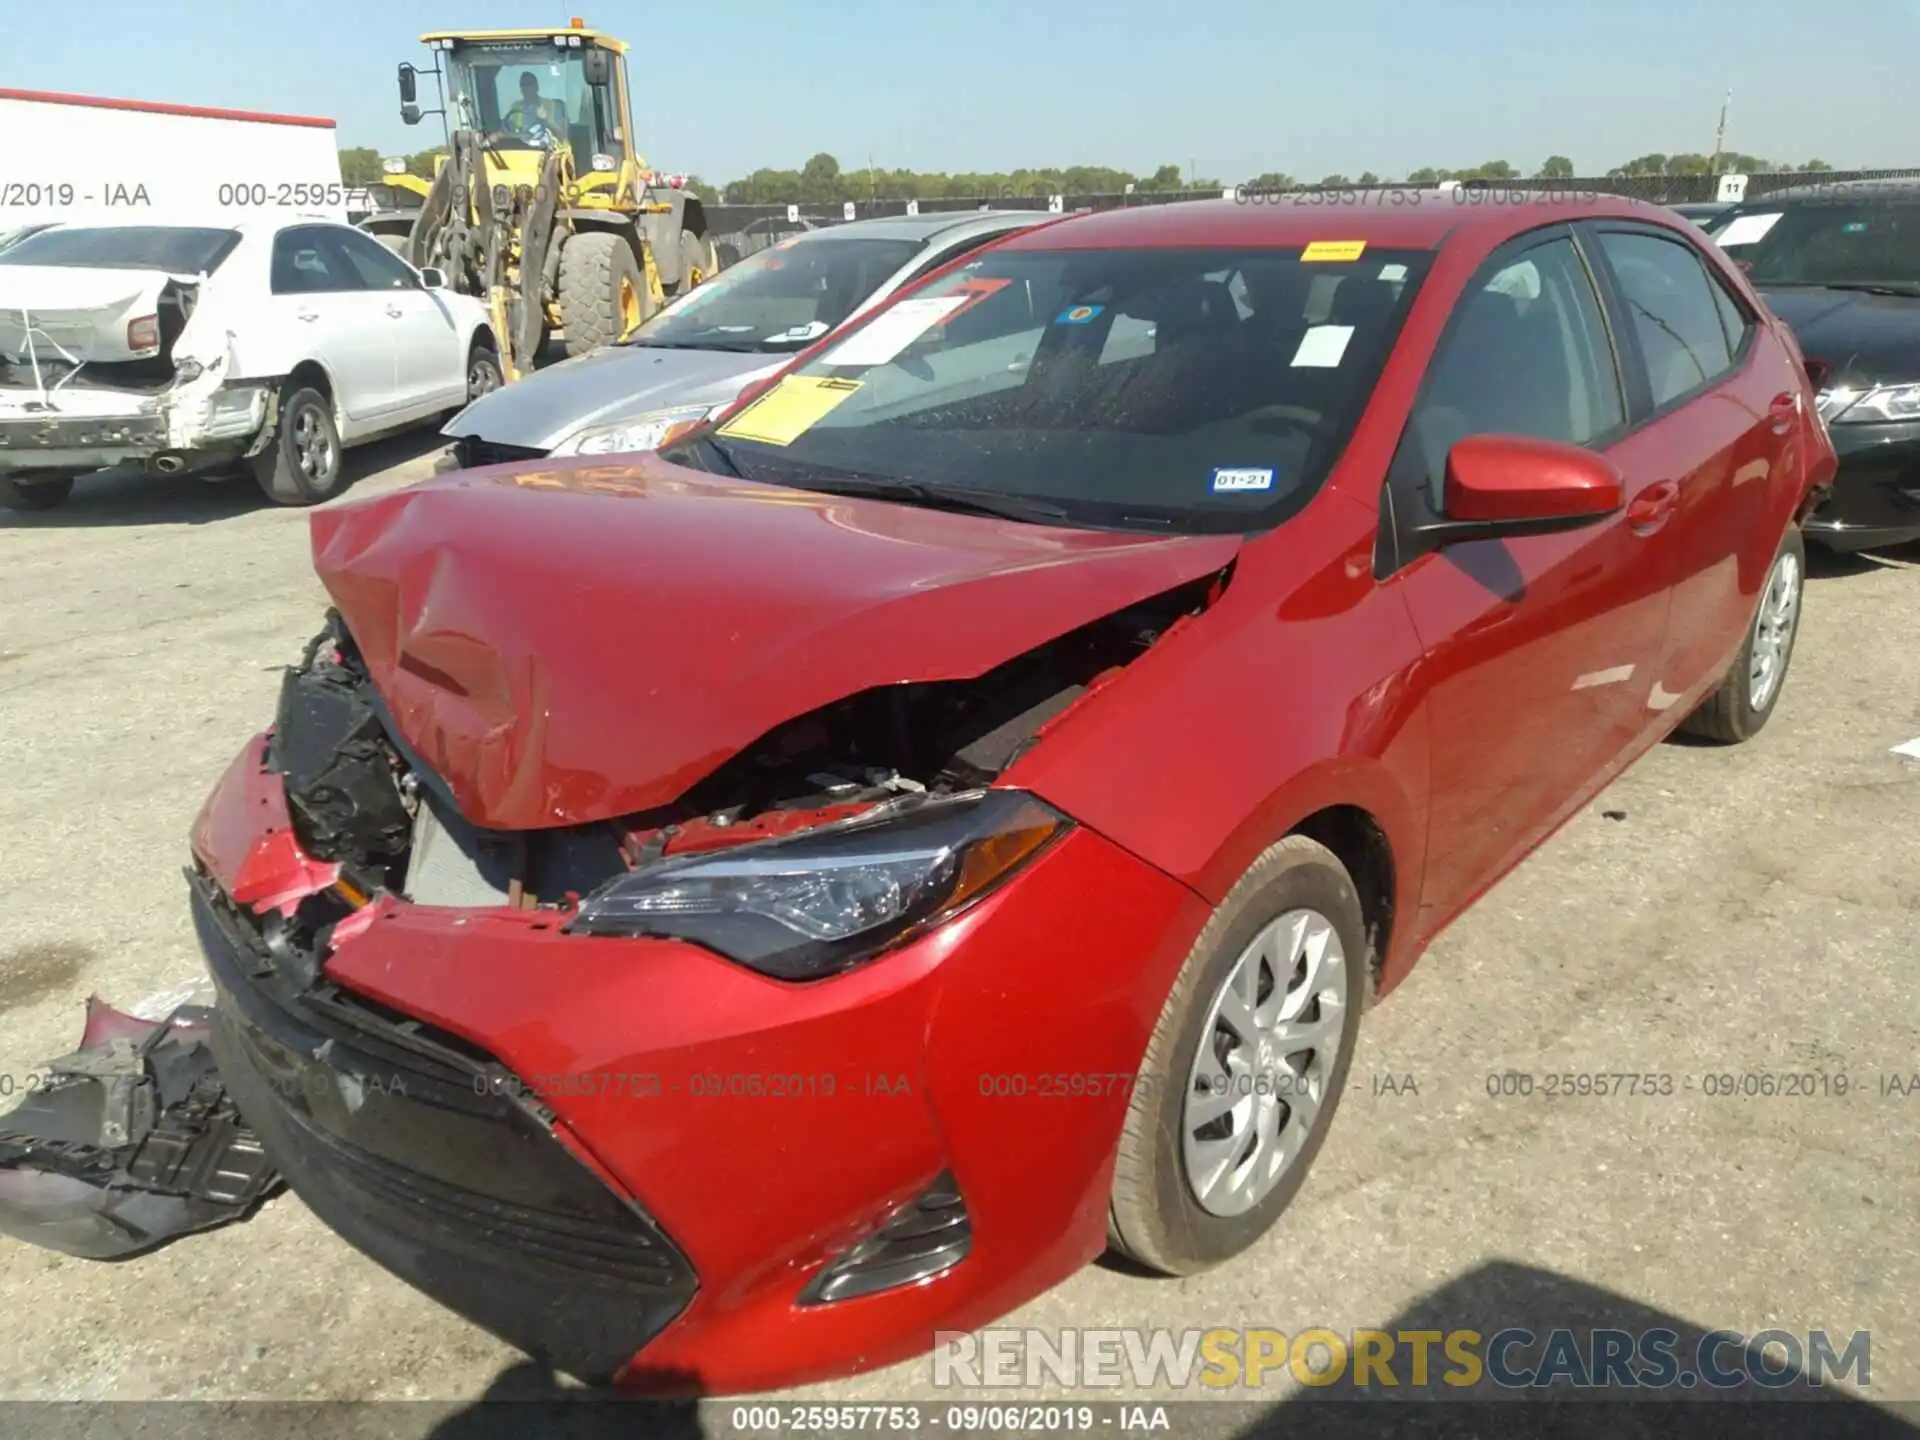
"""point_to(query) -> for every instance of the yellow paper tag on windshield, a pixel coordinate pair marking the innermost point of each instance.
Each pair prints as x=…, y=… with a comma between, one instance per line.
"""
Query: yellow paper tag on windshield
x=789, y=410
x=1334, y=250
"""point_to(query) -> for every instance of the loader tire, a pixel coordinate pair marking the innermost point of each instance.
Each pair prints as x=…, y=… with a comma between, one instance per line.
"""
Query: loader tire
x=595, y=269
x=697, y=259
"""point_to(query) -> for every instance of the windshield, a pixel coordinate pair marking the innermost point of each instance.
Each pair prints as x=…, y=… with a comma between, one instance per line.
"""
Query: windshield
x=530, y=95
x=178, y=250
x=1864, y=242
x=783, y=298
x=1191, y=390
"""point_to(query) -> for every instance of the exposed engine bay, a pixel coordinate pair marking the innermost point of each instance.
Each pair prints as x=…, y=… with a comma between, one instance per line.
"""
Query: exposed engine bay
x=358, y=798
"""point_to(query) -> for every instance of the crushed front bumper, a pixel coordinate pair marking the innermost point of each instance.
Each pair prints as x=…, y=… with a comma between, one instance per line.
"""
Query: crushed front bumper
x=398, y=1141
x=637, y=1090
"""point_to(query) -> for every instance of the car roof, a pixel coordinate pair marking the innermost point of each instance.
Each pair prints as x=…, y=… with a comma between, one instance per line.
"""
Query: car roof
x=1422, y=220
x=925, y=227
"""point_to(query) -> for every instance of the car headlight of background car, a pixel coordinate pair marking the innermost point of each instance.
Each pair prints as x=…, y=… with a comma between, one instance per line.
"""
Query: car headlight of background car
x=822, y=901
x=643, y=432
x=1876, y=406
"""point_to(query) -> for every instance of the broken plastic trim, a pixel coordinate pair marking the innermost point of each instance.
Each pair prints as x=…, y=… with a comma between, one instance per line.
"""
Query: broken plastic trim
x=129, y=1142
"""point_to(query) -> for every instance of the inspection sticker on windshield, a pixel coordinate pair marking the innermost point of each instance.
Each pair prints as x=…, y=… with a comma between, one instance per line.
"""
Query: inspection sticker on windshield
x=1323, y=346
x=1334, y=250
x=891, y=331
x=1745, y=229
x=789, y=410
x=1079, y=315
x=1242, y=479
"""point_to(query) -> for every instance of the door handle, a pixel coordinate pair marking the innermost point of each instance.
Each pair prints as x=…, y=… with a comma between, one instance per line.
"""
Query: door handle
x=395, y=311
x=1653, y=507
x=1784, y=410
x=308, y=314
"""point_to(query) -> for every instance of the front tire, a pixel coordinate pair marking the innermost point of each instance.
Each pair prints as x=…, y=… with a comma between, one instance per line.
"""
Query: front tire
x=1750, y=691
x=40, y=493
x=603, y=290
x=303, y=465
x=1255, y=1039
x=484, y=375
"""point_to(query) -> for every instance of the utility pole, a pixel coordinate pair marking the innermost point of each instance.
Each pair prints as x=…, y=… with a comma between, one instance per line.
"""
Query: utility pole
x=1720, y=136
x=873, y=189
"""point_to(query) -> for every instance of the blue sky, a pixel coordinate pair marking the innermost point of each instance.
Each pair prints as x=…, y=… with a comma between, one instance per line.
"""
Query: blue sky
x=1236, y=86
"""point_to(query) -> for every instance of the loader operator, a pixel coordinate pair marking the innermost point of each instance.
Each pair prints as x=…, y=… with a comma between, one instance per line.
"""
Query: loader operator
x=533, y=111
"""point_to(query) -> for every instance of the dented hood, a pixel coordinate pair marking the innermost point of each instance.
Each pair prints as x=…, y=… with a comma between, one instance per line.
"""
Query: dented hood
x=587, y=640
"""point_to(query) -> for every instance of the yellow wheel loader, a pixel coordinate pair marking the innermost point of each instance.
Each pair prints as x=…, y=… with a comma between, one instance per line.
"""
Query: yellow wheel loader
x=542, y=206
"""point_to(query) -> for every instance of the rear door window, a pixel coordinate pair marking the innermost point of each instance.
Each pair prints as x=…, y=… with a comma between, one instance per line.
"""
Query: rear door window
x=1672, y=311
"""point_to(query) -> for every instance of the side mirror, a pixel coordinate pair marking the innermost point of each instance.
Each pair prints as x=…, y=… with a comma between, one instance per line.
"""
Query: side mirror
x=597, y=65
x=410, y=114
x=433, y=278
x=1503, y=486
x=408, y=94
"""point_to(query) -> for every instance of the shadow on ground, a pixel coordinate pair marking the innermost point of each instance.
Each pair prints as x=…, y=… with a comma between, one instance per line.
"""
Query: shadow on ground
x=1505, y=1296
x=133, y=497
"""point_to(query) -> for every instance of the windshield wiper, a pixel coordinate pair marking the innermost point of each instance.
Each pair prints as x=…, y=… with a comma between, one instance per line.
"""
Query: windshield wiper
x=961, y=499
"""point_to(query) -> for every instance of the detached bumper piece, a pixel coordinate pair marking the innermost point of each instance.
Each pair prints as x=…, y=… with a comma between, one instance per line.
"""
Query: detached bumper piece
x=921, y=1240
x=400, y=1139
x=131, y=1142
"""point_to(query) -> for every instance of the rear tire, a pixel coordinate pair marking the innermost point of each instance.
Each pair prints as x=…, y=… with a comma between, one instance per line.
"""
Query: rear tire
x=1165, y=1215
x=1750, y=691
x=38, y=494
x=602, y=287
x=303, y=465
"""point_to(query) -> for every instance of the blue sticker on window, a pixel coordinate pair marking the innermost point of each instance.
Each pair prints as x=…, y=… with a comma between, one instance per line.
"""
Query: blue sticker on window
x=1242, y=479
x=1853, y=227
x=1079, y=315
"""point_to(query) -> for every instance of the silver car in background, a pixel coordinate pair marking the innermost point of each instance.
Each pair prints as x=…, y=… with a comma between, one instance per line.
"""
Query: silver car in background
x=703, y=349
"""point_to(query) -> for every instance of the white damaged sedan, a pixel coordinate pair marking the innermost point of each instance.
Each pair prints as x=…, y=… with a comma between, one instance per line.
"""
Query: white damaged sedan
x=193, y=349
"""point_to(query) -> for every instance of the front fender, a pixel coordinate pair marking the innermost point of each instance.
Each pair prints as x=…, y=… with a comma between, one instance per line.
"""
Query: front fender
x=1289, y=696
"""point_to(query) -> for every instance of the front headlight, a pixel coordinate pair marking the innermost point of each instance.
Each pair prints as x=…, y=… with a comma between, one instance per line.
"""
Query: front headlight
x=655, y=429
x=816, y=904
x=1880, y=405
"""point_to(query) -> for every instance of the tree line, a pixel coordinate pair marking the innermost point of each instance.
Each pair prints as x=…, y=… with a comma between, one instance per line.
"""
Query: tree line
x=822, y=181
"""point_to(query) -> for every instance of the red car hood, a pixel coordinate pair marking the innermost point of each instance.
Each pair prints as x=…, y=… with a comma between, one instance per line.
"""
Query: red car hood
x=588, y=640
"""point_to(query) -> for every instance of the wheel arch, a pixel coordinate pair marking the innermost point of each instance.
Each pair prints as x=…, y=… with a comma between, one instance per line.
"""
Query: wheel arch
x=315, y=373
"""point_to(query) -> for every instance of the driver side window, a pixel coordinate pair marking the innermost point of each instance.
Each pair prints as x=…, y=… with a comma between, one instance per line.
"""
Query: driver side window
x=1526, y=353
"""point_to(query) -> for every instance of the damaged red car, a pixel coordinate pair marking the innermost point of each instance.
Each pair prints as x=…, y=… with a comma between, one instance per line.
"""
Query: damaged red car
x=717, y=918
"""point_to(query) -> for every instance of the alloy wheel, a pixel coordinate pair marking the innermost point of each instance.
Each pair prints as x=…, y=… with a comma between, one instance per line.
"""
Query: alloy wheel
x=1773, y=626
x=313, y=447
x=1266, y=1060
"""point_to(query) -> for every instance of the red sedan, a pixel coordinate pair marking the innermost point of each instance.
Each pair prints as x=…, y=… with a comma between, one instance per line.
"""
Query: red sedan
x=717, y=918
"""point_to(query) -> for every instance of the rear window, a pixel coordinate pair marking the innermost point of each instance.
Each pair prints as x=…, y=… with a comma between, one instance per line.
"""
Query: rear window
x=1847, y=240
x=175, y=249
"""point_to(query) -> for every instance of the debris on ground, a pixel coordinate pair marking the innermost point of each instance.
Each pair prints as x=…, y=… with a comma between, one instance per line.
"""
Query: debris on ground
x=129, y=1142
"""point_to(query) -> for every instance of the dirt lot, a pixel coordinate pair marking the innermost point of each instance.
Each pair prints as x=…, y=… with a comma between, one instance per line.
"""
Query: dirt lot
x=1738, y=911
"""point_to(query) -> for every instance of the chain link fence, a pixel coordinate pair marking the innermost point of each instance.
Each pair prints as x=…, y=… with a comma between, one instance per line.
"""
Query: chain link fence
x=743, y=229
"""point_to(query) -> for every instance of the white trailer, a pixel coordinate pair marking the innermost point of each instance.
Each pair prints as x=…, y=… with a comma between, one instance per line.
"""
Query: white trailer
x=86, y=159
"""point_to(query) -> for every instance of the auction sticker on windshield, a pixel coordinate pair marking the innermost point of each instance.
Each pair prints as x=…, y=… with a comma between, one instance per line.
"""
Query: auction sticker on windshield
x=789, y=410
x=1334, y=250
x=1243, y=478
x=887, y=334
x=1745, y=229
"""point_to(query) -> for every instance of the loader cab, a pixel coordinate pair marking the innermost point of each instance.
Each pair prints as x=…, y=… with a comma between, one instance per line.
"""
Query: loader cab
x=528, y=92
